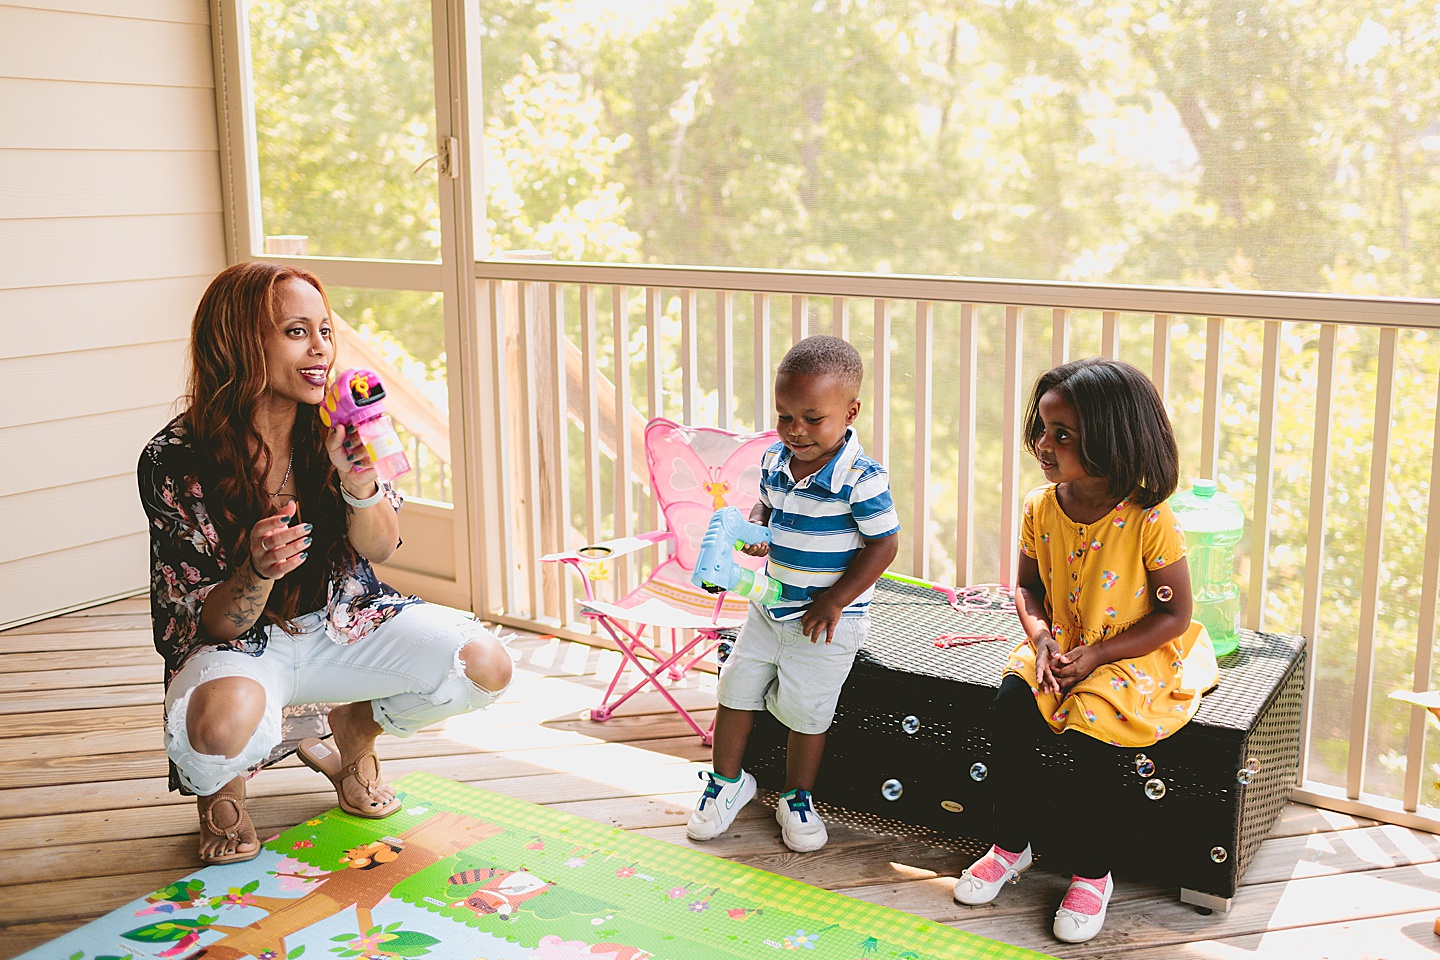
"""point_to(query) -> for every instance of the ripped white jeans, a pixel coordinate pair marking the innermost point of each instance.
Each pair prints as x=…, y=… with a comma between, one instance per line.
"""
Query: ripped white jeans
x=409, y=669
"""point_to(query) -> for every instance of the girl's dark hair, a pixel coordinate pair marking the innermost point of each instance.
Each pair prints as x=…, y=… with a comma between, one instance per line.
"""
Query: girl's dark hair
x=1125, y=433
x=227, y=382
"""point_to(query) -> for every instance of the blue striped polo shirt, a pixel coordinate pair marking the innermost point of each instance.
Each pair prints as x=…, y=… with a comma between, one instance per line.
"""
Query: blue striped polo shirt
x=818, y=525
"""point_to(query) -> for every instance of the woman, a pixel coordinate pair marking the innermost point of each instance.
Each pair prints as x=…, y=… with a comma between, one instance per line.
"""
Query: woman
x=263, y=528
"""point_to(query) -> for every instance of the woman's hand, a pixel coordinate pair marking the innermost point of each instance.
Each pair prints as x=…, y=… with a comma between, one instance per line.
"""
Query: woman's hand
x=1047, y=656
x=352, y=462
x=278, y=544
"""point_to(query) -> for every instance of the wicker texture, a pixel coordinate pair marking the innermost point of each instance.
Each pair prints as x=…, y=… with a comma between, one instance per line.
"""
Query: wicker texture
x=915, y=715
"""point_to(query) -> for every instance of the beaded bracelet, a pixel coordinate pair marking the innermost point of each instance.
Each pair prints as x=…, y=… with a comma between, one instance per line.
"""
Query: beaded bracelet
x=369, y=501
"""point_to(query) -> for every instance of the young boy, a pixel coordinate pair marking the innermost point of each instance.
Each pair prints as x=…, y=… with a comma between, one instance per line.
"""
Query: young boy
x=833, y=531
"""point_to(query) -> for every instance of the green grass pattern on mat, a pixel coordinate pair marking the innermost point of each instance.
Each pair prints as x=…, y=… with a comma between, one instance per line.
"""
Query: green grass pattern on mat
x=790, y=905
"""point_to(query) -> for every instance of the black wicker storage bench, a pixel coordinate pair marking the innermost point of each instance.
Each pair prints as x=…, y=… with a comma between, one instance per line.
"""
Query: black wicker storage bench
x=908, y=751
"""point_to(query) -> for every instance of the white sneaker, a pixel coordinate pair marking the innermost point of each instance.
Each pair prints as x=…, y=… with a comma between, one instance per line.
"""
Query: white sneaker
x=1082, y=912
x=718, y=804
x=800, y=826
x=973, y=891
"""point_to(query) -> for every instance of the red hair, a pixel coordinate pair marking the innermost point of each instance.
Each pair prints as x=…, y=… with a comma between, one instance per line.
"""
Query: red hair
x=227, y=383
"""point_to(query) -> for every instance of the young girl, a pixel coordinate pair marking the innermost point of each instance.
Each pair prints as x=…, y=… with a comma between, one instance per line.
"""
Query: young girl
x=1103, y=594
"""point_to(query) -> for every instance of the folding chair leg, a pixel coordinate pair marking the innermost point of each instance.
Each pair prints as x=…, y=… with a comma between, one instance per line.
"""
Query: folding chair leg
x=627, y=650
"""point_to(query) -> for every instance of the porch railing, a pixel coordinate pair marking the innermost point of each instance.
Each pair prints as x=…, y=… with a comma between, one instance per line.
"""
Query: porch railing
x=1317, y=412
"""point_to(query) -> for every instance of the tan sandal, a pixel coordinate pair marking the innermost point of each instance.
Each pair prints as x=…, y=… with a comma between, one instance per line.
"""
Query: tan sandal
x=324, y=759
x=234, y=833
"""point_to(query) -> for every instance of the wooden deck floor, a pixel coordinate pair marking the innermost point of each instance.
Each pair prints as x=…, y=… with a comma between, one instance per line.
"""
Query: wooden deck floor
x=87, y=824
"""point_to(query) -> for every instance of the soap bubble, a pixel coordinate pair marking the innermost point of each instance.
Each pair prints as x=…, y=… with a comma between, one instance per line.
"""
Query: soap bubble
x=891, y=789
x=910, y=724
x=1163, y=593
x=1155, y=789
x=1218, y=854
x=1252, y=765
x=1145, y=685
x=978, y=772
x=1144, y=765
x=1244, y=775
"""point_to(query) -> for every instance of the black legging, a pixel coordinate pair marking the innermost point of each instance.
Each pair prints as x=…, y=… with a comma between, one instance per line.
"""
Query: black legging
x=1025, y=791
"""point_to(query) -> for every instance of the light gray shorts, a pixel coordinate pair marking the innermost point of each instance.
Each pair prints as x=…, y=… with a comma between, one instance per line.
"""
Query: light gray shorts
x=775, y=667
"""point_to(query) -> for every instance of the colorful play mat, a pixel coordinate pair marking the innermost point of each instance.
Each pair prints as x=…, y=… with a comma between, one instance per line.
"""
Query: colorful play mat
x=463, y=874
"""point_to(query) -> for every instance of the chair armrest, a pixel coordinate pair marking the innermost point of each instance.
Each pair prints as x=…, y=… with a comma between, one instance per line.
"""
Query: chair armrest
x=610, y=549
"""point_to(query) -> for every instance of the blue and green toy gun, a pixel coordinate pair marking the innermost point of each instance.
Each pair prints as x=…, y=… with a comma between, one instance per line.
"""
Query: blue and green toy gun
x=715, y=568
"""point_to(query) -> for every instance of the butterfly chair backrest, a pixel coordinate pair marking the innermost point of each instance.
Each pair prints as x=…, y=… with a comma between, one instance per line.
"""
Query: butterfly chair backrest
x=695, y=471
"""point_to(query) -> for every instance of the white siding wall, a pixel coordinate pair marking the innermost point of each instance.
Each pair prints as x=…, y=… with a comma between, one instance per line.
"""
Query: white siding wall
x=110, y=227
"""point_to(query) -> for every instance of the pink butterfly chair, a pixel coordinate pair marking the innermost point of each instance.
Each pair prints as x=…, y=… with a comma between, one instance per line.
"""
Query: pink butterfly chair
x=694, y=471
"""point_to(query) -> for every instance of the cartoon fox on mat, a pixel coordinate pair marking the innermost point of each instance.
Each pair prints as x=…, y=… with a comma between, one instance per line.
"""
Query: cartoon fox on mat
x=502, y=891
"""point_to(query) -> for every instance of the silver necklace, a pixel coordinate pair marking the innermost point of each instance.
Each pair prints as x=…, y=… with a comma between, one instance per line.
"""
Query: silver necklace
x=288, y=466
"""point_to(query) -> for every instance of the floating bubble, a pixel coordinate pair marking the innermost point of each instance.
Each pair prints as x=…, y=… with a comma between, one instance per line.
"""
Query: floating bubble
x=1218, y=854
x=1013, y=879
x=1244, y=775
x=910, y=724
x=1155, y=789
x=978, y=772
x=1144, y=765
x=891, y=789
x=1252, y=765
x=1163, y=593
x=1145, y=685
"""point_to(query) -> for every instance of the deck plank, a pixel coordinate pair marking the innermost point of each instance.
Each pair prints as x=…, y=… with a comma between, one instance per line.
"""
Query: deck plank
x=83, y=777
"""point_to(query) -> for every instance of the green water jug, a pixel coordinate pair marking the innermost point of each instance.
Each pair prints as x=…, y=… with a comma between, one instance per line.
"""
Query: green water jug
x=1213, y=523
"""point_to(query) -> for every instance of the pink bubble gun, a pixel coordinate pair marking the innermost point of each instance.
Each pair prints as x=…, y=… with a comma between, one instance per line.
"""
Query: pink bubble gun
x=356, y=400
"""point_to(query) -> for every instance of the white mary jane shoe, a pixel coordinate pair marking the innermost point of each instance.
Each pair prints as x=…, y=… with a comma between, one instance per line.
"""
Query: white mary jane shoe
x=1072, y=926
x=972, y=891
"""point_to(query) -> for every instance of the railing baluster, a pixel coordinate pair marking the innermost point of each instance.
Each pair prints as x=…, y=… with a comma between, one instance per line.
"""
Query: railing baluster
x=1264, y=464
x=1059, y=336
x=555, y=424
x=1370, y=576
x=590, y=345
x=1315, y=534
x=920, y=525
x=763, y=372
x=624, y=454
x=841, y=306
x=530, y=484
x=1109, y=334
x=1210, y=409
x=725, y=357
x=1425, y=628
x=1010, y=444
x=654, y=372
x=1160, y=355
x=799, y=317
x=880, y=419
x=499, y=517
x=968, y=362
x=689, y=357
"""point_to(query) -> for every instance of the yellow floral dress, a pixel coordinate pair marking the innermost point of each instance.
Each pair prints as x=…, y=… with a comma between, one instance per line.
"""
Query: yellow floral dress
x=1096, y=585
